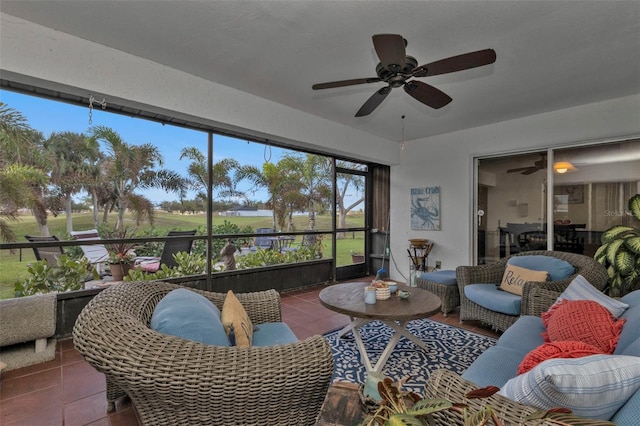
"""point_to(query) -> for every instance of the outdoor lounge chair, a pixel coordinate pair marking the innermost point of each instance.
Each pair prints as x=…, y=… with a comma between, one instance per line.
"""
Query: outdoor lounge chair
x=96, y=254
x=171, y=247
x=50, y=254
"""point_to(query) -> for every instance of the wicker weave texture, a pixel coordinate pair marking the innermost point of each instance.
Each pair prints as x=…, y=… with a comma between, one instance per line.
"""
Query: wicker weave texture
x=449, y=385
x=586, y=266
x=176, y=381
x=449, y=294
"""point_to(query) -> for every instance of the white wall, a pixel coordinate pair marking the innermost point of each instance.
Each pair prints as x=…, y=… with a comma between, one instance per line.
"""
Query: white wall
x=37, y=55
x=446, y=161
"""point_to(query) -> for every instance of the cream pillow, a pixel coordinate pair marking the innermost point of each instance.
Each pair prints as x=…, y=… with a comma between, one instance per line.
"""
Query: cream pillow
x=514, y=278
x=236, y=321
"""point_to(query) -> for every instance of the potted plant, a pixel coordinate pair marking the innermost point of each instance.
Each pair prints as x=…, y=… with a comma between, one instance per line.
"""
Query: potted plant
x=620, y=253
x=121, y=255
x=357, y=257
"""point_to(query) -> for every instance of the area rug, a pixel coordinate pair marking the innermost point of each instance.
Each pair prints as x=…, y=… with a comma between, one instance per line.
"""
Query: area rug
x=451, y=347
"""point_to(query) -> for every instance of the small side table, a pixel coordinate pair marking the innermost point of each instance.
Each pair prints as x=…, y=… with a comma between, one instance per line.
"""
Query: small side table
x=444, y=285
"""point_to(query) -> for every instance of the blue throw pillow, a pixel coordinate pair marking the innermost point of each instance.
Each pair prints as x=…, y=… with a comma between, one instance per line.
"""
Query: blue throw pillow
x=558, y=269
x=184, y=313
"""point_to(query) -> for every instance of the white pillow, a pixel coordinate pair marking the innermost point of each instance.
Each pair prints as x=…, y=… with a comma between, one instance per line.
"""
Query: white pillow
x=581, y=289
x=594, y=386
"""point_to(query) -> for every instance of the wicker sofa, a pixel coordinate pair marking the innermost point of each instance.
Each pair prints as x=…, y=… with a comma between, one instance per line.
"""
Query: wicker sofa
x=172, y=381
x=586, y=266
x=500, y=363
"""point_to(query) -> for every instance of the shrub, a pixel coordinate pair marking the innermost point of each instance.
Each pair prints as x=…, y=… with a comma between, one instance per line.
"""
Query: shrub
x=69, y=275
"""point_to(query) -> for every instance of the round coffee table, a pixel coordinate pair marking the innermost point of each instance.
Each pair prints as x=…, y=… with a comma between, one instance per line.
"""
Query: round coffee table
x=348, y=299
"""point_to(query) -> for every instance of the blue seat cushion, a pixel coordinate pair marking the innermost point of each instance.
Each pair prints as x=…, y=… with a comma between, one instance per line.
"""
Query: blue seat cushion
x=629, y=332
x=558, y=269
x=189, y=315
x=273, y=333
x=490, y=297
x=629, y=413
x=494, y=367
x=524, y=335
x=447, y=277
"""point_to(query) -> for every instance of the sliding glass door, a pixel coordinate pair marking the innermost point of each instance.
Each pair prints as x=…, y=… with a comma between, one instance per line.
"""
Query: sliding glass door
x=584, y=193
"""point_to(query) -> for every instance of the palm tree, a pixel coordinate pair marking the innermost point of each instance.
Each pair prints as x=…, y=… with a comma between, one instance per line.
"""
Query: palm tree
x=73, y=166
x=314, y=174
x=21, y=147
x=131, y=167
x=222, y=174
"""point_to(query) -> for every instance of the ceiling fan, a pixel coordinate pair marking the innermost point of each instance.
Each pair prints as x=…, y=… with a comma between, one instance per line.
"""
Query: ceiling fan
x=397, y=69
x=540, y=164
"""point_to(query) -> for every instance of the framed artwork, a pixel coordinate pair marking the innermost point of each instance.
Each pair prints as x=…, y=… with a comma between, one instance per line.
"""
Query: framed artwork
x=425, y=208
x=574, y=193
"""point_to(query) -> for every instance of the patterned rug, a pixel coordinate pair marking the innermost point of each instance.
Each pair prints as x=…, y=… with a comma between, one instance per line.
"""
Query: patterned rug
x=451, y=347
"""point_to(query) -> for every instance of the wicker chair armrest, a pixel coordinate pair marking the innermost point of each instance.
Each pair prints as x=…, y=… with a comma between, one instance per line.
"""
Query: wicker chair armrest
x=539, y=300
x=448, y=385
x=541, y=305
x=262, y=306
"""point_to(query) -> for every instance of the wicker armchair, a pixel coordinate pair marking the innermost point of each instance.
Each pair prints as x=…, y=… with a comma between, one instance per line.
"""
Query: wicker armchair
x=173, y=381
x=586, y=266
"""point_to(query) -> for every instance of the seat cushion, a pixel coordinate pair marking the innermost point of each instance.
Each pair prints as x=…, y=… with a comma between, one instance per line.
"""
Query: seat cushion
x=184, y=313
x=494, y=367
x=273, y=333
x=447, y=277
x=490, y=297
x=558, y=269
x=524, y=335
x=595, y=386
x=630, y=331
x=236, y=321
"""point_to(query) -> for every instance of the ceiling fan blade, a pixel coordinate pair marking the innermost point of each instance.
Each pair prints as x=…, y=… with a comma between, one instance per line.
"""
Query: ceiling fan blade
x=531, y=171
x=427, y=94
x=456, y=63
x=390, y=48
x=373, y=102
x=521, y=169
x=343, y=83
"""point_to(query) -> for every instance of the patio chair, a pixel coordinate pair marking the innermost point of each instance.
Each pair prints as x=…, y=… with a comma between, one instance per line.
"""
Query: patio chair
x=264, y=243
x=492, y=274
x=50, y=254
x=175, y=381
x=171, y=247
x=96, y=254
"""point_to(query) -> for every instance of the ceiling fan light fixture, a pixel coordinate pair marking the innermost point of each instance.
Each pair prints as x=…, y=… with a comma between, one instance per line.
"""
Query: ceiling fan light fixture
x=563, y=167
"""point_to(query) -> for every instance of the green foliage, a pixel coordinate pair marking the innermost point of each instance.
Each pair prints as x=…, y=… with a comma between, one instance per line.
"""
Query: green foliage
x=620, y=253
x=69, y=275
x=229, y=228
x=188, y=264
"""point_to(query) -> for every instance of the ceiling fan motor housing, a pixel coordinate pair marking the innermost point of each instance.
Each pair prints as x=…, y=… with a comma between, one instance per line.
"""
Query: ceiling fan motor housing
x=396, y=75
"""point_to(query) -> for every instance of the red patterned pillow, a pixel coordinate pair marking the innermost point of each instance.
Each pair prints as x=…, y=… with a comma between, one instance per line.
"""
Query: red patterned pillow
x=559, y=349
x=582, y=320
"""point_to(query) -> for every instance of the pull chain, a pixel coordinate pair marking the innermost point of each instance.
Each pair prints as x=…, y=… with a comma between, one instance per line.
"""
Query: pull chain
x=102, y=103
x=402, y=134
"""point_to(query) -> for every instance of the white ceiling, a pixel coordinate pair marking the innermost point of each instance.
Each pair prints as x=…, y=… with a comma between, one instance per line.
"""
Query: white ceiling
x=550, y=54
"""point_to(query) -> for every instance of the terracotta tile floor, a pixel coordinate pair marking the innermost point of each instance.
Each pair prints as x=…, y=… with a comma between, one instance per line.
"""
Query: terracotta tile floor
x=68, y=391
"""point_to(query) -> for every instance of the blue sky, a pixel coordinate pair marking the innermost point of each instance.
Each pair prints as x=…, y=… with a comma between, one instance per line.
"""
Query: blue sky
x=49, y=116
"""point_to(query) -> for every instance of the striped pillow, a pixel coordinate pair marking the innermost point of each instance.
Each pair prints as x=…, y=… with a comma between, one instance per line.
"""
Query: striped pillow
x=581, y=289
x=594, y=386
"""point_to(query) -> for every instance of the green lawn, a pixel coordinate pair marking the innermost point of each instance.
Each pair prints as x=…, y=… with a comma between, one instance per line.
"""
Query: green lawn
x=13, y=266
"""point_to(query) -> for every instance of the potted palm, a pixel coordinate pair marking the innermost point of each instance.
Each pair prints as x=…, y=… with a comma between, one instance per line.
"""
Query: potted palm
x=121, y=255
x=620, y=253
